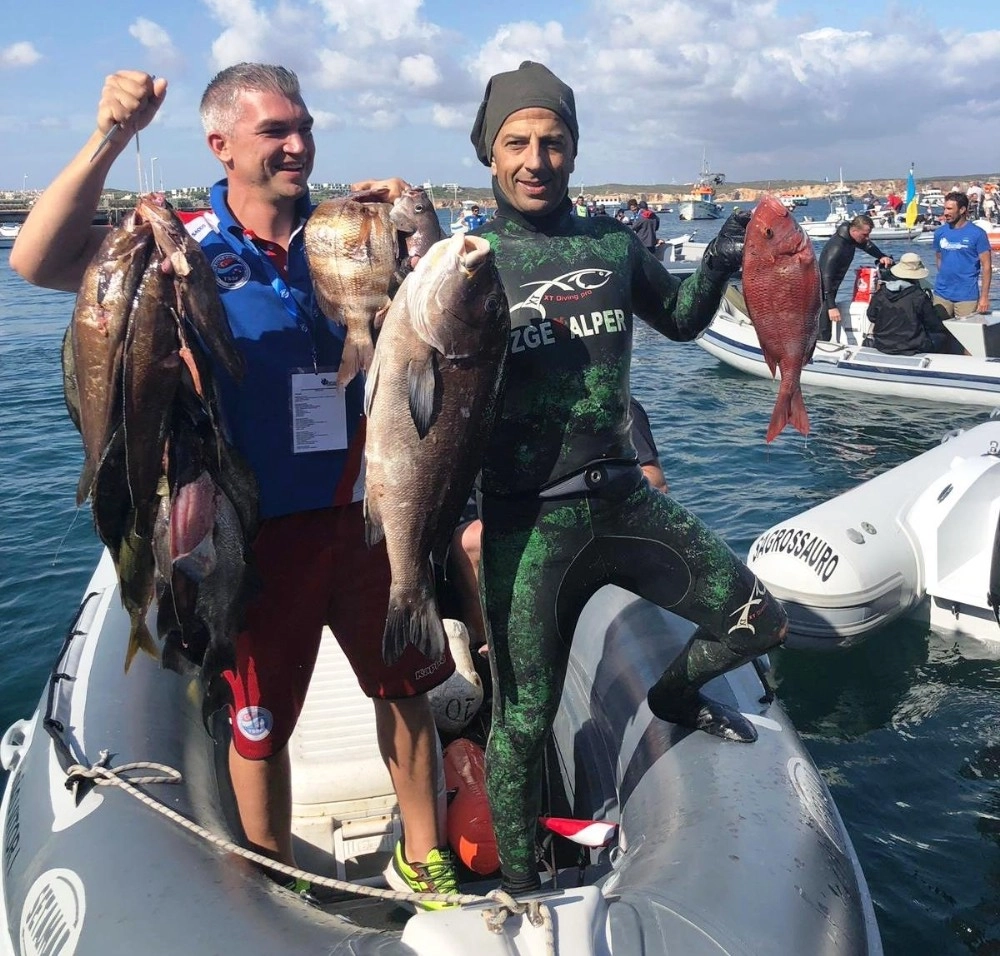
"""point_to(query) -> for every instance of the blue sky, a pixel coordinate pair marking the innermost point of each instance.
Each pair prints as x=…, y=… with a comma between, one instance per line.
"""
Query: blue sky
x=767, y=89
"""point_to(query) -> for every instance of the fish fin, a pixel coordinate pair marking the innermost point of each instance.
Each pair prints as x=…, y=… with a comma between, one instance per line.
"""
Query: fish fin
x=422, y=380
x=86, y=483
x=418, y=624
x=371, y=383
x=356, y=357
x=771, y=364
x=380, y=314
x=374, y=532
x=139, y=638
x=799, y=417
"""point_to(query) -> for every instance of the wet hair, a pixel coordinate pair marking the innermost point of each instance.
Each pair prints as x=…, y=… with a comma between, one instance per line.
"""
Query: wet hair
x=958, y=197
x=220, y=100
x=863, y=220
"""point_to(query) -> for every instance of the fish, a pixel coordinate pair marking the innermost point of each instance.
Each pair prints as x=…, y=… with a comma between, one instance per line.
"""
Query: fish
x=414, y=215
x=197, y=296
x=133, y=556
x=431, y=398
x=151, y=370
x=99, y=324
x=781, y=285
x=351, y=248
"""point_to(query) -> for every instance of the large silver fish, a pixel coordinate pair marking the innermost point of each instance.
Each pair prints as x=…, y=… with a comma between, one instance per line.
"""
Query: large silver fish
x=351, y=247
x=431, y=399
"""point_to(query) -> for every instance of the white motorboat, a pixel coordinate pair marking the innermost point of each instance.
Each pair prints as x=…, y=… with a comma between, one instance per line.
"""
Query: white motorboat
x=825, y=228
x=921, y=540
x=847, y=364
x=932, y=196
x=701, y=203
x=710, y=847
x=8, y=232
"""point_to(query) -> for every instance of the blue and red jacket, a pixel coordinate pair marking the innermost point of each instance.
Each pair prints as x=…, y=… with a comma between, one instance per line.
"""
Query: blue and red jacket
x=277, y=336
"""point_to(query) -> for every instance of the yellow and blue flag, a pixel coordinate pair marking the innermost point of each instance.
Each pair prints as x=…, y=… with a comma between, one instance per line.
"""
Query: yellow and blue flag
x=911, y=201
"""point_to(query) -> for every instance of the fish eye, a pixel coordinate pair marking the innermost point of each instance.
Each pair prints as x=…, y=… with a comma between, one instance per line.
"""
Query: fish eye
x=492, y=303
x=769, y=233
x=419, y=207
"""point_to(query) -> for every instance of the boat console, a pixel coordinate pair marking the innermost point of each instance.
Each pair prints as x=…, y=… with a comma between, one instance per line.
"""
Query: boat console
x=979, y=334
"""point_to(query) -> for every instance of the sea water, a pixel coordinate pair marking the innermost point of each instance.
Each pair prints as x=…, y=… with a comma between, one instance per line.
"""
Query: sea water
x=905, y=727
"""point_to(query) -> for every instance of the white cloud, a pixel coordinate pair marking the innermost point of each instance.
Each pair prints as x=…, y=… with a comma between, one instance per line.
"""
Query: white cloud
x=447, y=117
x=419, y=71
x=19, y=54
x=156, y=41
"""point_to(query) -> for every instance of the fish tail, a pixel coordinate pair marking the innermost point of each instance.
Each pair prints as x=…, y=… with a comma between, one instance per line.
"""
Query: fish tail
x=139, y=638
x=416, y=622
x=781, y=413
x=357, y=357
x=800, y=417
x=788, y=407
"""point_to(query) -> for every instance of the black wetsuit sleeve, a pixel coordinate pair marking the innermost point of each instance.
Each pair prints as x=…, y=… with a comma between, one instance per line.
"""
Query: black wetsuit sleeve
x=642, y=435
x=829, y=267
x=873, y=250
x=680, y=310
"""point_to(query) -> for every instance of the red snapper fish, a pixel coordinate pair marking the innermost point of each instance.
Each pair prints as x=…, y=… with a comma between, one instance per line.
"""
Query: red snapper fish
x=781, y=286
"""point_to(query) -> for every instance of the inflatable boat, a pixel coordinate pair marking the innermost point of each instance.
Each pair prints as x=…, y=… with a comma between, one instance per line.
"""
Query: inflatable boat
x=717, y=848
x=847, y=364
x=922, y=540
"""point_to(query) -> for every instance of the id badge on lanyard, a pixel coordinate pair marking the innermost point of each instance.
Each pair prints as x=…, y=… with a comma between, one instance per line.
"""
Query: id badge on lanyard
x=319, y=411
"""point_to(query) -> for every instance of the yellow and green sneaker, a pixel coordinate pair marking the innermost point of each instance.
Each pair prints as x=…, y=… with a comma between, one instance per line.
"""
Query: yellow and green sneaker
x=435, y=875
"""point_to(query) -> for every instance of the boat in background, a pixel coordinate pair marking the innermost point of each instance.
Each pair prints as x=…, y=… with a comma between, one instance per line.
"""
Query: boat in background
x=840, y=192
x=701, y=204
x=8, y=233
x=884, y=230
x=849, y=365
x=992, y=230
x=825, y=228
x=920, y=540
x=932, y=196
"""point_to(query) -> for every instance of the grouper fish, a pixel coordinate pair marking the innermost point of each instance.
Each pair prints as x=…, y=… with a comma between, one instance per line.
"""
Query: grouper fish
x=431, y=399
x=781, y=285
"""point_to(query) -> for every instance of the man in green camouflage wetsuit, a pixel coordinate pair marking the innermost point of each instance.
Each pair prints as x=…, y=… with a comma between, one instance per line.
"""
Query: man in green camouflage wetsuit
x=565, y=507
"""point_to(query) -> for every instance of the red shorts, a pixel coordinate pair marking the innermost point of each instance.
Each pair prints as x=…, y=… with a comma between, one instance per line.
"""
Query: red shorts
x=315, y=569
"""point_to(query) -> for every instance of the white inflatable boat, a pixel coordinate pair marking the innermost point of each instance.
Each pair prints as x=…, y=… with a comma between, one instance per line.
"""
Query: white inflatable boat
x=721, y=848
x=845, y=363
x=922, y=539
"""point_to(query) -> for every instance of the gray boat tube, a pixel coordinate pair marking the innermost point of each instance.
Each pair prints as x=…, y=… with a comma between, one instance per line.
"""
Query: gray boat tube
x=723, y=848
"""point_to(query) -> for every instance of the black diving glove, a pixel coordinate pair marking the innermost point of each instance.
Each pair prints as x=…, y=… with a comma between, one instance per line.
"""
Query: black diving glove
x=724, y=254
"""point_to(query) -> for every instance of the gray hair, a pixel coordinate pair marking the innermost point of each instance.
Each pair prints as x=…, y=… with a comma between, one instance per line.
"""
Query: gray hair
x=220, y=100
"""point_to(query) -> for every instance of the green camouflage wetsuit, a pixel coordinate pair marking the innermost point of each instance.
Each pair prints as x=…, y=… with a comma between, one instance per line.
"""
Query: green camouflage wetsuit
x=566, y=508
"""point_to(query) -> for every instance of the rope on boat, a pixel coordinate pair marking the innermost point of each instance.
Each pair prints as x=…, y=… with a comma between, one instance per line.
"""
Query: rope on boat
x=103, y=775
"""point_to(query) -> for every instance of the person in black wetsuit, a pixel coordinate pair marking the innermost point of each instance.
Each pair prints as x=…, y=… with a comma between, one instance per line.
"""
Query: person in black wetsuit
x=565, y=507
x=460, y=574
x=836, y=259
x=903, y=317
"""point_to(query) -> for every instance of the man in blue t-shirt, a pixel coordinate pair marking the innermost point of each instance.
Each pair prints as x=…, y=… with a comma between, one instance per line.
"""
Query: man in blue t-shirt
x=474, y=219
x=964, y=269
